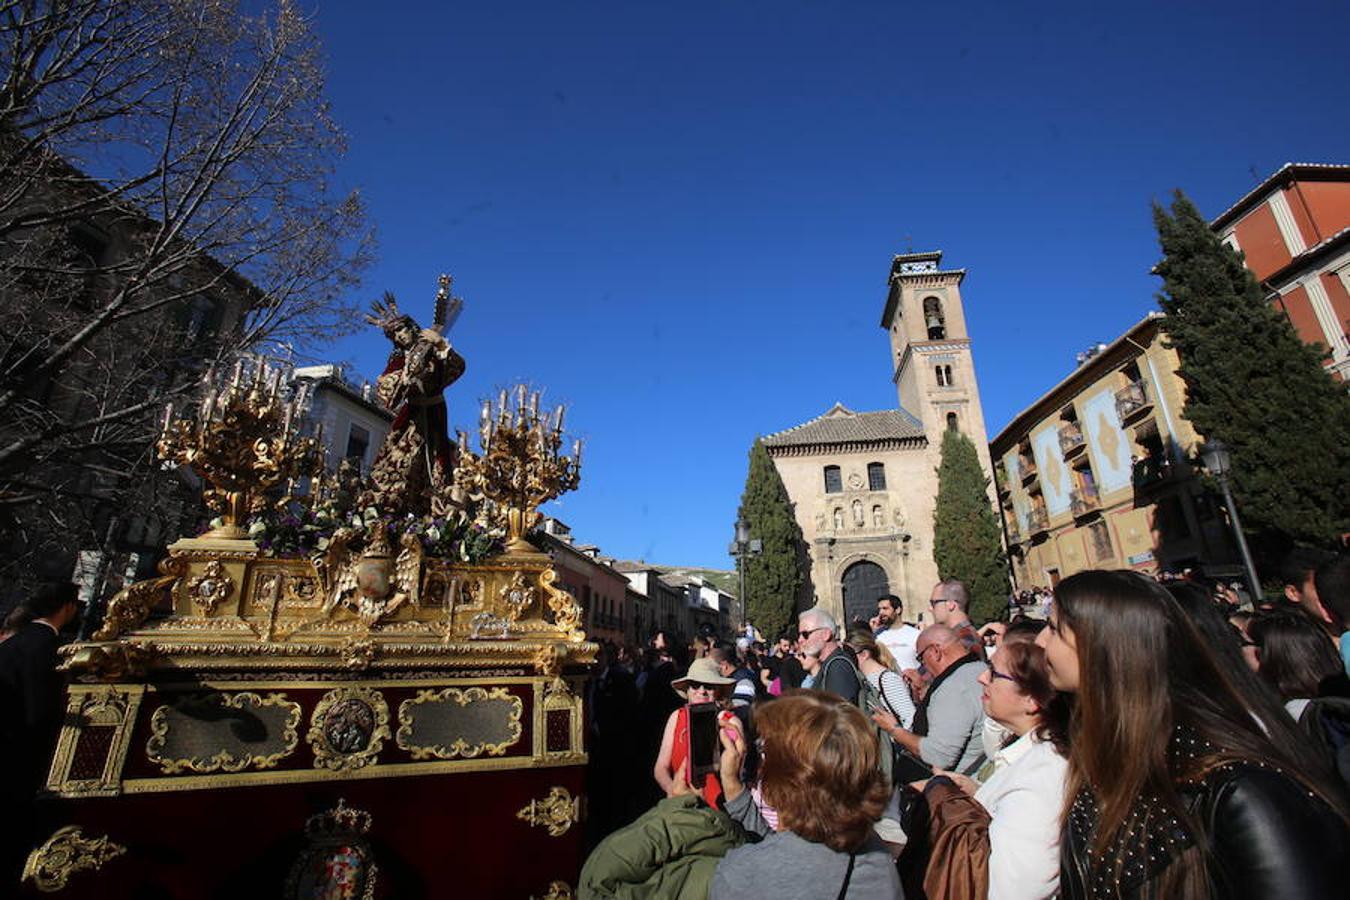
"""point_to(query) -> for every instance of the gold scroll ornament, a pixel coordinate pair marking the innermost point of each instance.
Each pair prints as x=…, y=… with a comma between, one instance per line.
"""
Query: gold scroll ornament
x=556, y=813
x=66, y=852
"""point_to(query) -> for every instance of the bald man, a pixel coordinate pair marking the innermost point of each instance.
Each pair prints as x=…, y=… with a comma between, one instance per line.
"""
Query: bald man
x=950, y=718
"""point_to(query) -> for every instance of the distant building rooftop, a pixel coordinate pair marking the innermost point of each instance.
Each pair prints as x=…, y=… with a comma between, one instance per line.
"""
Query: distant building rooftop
x=841, y=425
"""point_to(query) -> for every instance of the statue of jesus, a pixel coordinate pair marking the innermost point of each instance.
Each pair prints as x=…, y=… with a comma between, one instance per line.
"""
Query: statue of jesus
x=413, y=469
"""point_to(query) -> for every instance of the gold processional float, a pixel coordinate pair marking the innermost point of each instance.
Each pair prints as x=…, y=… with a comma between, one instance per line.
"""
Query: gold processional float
x=373, y=689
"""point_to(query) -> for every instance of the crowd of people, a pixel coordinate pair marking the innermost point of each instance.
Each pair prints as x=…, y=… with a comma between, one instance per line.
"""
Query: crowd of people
x=1143, y=738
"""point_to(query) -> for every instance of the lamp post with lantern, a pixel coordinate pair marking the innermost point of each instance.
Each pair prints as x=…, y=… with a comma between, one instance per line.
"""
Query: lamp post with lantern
x=1217, y=461
x=742, y=547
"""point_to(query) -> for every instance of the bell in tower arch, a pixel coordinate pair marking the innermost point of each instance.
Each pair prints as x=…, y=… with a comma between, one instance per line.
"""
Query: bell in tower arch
x=932, y=316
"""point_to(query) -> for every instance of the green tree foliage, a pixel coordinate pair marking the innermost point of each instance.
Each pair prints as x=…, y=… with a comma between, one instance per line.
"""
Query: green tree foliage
x=1254, y=384
x=966, y=541
x=774, y=578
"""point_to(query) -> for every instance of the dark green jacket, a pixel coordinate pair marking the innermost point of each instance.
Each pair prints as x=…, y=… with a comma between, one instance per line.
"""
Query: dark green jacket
x=667, y=854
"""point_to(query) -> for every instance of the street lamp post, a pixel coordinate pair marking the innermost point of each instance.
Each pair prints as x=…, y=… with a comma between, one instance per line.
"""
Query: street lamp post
x=742, y=547
x=1214, y=455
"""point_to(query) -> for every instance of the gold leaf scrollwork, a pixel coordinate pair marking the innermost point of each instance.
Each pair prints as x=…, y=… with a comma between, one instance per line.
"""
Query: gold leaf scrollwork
x=209, y=589
x=557, y=812
x=224, y=760
x=66, y=852
x=518, y=595
x=566, y=610
x=130, y=607
x=459, y=747
x=348, y=728
x=558, y=890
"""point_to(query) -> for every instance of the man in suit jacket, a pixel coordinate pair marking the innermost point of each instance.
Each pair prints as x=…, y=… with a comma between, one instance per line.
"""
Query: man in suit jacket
x=31, y=708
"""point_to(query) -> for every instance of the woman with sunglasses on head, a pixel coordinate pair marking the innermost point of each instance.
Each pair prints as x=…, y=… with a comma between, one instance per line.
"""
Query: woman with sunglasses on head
x=702, y=684
x=1180, y=785
x=878, y=667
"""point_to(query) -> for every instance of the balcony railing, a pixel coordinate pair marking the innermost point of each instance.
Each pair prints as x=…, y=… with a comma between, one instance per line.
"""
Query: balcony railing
x=1014, y=534
x=1083, y=501
x=1028, y=469
x=1070, y=440
x=1132, y=400
x=1038, y=521
x=606, y=620
x=1150, y=470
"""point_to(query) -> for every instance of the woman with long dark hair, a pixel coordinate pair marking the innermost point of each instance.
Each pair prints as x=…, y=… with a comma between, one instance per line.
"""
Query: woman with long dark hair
x=1180, y=784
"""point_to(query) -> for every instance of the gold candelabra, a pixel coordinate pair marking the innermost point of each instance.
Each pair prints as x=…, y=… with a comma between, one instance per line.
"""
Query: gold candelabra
x=241, y=442
x=521, y=465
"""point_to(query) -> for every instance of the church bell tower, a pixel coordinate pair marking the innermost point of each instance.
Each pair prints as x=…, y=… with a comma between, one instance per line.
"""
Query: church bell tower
x=933, y=370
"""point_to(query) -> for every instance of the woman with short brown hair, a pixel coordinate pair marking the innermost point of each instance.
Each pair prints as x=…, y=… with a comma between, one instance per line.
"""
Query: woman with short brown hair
x=819, y=771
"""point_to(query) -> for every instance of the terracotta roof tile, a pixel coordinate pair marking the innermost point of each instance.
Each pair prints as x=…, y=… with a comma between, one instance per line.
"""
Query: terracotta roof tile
x=841, y=425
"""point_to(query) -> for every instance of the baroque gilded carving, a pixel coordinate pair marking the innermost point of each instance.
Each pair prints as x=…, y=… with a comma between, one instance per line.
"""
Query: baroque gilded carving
x=130, y=607
x=224, y=760
x=508, y=725
x=348, y=728
x=211, y=588
x=114, y=661
x=518, y=595
x=557, y=890
x=338, y=860
x=65, y=853
x=556, y=813
x=566, y=610
x=109, y=709
x=375, y=583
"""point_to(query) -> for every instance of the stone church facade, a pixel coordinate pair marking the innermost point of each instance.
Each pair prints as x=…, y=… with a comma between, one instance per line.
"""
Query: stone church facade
x=863, y=484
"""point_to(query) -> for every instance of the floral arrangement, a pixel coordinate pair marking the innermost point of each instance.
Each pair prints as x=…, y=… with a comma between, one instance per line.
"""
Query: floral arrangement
x=302, y=531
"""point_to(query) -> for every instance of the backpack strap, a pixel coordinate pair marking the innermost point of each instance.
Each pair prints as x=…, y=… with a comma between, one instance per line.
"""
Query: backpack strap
x=848, y=875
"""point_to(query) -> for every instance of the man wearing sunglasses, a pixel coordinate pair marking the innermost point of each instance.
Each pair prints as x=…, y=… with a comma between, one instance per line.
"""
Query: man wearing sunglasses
x=950, y=718
x=819, y=636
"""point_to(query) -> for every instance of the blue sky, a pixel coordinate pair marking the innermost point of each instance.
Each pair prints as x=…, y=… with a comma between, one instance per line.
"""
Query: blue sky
x=679, y=218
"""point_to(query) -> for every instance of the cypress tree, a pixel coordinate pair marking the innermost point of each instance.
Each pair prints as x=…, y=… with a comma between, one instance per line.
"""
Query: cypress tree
x=774, y=578
x=966, y=542
x=1254, y=384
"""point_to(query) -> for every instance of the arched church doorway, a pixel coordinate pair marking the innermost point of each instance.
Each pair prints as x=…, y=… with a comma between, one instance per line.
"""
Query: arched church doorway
x=863, y=583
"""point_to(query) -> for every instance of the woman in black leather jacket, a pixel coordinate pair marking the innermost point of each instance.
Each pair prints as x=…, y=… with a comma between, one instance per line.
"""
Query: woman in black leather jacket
x=1180, y=784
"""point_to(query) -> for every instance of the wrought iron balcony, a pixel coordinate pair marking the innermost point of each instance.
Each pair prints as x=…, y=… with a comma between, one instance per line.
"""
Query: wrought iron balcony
x=1028, y=468
x=1071, y=441
x=1133, y=400
x=1083, y=501
x=1038, y=521
x=1014, y=533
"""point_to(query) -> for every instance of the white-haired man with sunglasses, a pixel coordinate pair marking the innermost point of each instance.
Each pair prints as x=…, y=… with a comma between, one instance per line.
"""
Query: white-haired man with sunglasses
x=819, y=635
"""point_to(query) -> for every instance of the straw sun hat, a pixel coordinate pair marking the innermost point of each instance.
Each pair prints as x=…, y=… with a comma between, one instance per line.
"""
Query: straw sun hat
x=702, y=671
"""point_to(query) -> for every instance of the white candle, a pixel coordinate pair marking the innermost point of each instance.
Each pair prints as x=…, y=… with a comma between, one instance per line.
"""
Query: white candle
x=558, y=423
x=208, y=406
x=168, y=417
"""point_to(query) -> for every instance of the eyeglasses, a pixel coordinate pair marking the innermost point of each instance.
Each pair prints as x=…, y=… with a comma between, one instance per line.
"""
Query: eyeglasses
x=995, y=673
x=929, y=647
x=699, y=686
x=806, y=635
